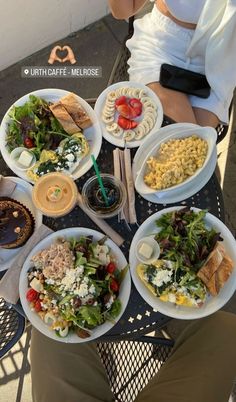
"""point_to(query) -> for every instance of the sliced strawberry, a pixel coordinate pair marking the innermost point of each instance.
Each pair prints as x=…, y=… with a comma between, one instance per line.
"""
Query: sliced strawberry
x=134, y=102
x=125, y=111
x=122, y=100
x=133, y=124
x=124, y=123
x=136, y=111
x=136, y=106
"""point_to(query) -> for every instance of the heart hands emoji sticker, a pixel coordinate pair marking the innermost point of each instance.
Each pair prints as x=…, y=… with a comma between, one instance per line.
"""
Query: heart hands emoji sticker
x=69, y=56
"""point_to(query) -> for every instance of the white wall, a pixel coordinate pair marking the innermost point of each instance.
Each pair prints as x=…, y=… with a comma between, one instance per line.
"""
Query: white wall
x=27, y=26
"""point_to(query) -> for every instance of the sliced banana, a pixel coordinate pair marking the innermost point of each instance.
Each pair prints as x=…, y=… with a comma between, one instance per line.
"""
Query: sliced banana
x=108, y=119
x=118, y=92
x=107, y=110
x=135, y=92
x=112, y=127
x=139, y=133
x=146, y=99
x=124, y=91
x=149, y=103
x=151, y=110
x=117, y=132
x=142, y=93
x=145, y=125
x=109, y=103
x=149, y=121
x=129, y=135
x=111, y=96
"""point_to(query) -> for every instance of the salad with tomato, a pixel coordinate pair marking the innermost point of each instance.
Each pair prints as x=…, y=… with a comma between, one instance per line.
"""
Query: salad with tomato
x=74, y=285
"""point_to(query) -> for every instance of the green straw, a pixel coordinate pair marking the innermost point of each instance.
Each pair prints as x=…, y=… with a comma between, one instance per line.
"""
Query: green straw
x=100, y=180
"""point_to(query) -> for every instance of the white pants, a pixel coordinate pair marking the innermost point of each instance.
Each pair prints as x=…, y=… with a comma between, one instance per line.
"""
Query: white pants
x=157, y=40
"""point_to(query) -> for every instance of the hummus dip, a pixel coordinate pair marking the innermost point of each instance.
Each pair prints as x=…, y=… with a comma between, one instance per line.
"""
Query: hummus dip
x=55, y=194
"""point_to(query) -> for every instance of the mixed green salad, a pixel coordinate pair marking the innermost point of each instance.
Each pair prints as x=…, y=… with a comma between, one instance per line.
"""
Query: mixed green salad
x=33, y=126
x=185, y=243
x=74, y=285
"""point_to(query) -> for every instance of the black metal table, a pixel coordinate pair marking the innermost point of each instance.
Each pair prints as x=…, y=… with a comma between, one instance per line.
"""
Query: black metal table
x=139, y=318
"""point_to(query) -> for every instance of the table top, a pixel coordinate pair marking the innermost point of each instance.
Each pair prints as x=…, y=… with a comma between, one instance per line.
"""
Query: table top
x=139, y=318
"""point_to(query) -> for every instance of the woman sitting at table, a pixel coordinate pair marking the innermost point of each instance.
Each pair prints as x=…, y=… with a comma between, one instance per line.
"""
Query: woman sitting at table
x=197, y=35
x=202, y=367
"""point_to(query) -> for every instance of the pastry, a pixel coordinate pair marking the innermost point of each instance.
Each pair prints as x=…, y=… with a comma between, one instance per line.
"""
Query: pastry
x=16, y=223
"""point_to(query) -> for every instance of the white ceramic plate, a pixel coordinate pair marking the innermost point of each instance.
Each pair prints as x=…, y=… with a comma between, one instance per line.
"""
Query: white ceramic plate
x=23, y=285
x=212, y=304
x=118, y=141
x=93, y=134
x=174, y=196
x=206, y=133
x=22, y=193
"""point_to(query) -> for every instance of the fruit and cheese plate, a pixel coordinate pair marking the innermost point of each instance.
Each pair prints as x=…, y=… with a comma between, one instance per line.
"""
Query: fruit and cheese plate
x=128, y=112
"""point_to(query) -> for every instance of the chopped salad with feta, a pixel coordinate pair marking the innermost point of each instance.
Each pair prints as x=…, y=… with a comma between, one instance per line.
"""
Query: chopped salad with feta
x=74, y=285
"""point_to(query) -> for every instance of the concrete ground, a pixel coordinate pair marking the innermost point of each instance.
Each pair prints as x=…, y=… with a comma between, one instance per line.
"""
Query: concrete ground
x=97, y=45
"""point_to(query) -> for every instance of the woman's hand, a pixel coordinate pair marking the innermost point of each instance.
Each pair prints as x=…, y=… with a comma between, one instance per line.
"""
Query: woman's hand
x=123, y=9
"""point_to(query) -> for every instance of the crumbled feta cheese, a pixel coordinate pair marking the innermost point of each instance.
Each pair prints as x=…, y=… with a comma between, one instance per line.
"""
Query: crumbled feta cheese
x=109, y=303
x=50, y=281
x=70, y=157
x=83, y=290
x=161, y=277
x=92, y=289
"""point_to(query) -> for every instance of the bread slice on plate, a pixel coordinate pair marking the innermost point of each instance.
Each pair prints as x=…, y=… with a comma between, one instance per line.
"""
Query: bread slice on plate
x=64, y=118
x=71, y=103
x=216, y=270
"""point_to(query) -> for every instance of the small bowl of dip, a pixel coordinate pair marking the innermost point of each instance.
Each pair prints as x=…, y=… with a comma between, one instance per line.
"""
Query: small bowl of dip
x=147, y=250
x=55, y=194
x=23, y=158
x=93, y=198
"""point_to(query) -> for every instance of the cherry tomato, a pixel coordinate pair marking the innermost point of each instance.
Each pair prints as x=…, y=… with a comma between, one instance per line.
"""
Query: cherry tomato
x=32, y=295
x=111, y=267
x=29, y=143
x=37, y=306
x=114, y=285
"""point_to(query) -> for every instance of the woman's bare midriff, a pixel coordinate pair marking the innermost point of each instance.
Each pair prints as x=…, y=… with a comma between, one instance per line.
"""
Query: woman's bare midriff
x=164, y=10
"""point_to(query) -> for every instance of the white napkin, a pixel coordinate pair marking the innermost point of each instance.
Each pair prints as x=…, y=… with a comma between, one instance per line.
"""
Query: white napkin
x=7, y=186
x=9, y=284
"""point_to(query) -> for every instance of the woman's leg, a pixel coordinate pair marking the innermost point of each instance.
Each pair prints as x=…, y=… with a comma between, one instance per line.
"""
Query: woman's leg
x=202, y=366
x=64, y=372
x=205, y=117
x=175, y=104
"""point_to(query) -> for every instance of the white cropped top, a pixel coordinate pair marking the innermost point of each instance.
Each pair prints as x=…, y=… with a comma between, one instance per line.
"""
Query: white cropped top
x=185, y=10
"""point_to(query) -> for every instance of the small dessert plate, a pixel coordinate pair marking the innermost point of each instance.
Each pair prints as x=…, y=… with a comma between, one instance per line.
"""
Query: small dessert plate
x=23, y=194
x=147, y=250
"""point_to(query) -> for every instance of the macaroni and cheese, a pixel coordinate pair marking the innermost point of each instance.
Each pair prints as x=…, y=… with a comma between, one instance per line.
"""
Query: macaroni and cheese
x=177, y=160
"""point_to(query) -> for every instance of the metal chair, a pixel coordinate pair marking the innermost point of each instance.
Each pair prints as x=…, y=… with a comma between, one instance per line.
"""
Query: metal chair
x=119, y=73
x=12, y=326
x=130, y=365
